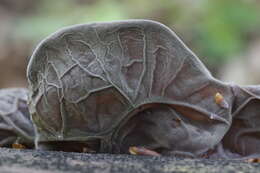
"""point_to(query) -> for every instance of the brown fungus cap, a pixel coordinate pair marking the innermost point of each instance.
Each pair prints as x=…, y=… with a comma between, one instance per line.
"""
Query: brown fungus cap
x=126, y=83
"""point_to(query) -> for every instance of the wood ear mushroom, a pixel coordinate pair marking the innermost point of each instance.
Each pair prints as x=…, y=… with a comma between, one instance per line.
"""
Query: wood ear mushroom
x=113, y=86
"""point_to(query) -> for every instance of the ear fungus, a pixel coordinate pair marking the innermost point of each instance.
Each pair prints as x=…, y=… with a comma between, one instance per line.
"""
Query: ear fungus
x=243, y=138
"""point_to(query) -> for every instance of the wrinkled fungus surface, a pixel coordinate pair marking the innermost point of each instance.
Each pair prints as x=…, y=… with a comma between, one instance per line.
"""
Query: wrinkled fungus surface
x=109, y=86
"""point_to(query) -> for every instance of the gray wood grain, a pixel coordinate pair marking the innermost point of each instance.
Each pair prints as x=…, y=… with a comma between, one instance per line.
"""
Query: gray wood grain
x=33, y=161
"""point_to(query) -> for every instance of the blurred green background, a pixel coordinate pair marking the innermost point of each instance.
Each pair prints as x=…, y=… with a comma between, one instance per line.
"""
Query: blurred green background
x=225, y=34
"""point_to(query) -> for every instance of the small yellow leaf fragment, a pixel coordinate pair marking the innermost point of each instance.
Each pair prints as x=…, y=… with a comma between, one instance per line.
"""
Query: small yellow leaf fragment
x=18, y=146
x=220, y=100
x=142, y=151
x=254, y=160
x=87, y=150
x=133, y=150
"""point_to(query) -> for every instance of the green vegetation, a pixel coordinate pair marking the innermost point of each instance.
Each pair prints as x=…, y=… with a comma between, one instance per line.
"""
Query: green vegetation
x=215, y=30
